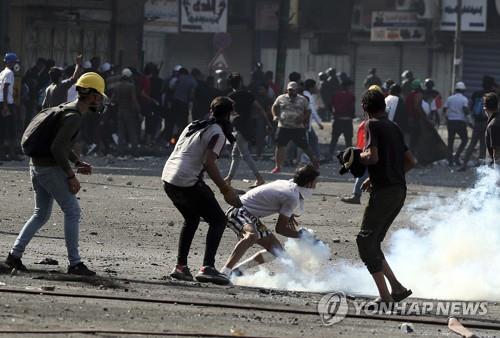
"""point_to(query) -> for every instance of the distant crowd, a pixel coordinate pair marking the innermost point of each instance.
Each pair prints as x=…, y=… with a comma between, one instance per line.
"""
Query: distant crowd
x=145, y=113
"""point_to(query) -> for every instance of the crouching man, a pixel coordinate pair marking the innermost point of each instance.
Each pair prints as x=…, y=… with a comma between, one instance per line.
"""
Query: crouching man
x=280, y=197
x=196, y=151
x=388, y=159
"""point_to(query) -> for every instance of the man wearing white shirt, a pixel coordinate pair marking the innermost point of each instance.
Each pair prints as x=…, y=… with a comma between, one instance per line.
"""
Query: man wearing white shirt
x=310, y=90
x=395, y=108
x=284, y=198
x=456, y=108
x=7, y=118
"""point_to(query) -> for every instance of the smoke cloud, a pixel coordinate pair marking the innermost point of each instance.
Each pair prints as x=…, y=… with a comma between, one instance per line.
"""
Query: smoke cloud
x=451, y=252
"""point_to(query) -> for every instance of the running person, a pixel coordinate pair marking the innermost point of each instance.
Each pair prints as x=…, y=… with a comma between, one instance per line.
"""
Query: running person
x=280, y=197
x=388, y=159
x=244, y=102
x=195, y=152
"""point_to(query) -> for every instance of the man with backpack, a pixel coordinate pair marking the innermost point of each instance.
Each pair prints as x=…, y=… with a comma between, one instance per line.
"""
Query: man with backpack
x=480, y=121
x=48, y=140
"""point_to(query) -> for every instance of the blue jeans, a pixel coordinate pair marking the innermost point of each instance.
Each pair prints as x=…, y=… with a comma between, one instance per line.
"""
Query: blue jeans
x=49, y=184
x=241, y=149
x=359, y=182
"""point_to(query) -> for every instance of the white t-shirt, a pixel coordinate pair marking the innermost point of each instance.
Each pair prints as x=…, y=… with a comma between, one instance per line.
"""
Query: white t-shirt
x=278, y=197
x=429, y=107
x=391, y=103
x=7, y=76
x=185, y=165
x=455, y=105
x=313, y=108
x=72, y=93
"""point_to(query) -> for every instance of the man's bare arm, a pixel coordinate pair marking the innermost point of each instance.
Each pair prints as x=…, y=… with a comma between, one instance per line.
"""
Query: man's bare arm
x=78, y=68
x=213, y=170
x=275, y=111
x=256, y=105
x=369, y=156
x=409, y=161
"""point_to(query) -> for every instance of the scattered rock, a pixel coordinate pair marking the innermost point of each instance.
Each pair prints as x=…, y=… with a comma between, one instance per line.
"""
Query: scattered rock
x=48, y=288
x=157, y=234
x=407, y=328
x=237, y=332
x=109, y=179
x=48, y=261
x=336, y=240
x=93, y=233
x=129, y=183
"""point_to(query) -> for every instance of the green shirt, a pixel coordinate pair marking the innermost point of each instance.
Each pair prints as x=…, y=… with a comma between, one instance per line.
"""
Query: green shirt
x=62, y=145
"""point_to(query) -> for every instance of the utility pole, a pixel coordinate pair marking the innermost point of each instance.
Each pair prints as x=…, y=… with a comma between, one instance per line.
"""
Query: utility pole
x=457, y=49
x=284, y=22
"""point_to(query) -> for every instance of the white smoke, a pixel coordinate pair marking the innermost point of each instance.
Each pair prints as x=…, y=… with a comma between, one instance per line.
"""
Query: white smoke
x=452, y=252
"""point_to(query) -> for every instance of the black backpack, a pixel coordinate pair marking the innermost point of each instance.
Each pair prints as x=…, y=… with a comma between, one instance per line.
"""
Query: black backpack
x=41, y=131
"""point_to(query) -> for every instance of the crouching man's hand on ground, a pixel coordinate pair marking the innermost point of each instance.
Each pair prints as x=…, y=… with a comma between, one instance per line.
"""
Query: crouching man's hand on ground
x=231, y=197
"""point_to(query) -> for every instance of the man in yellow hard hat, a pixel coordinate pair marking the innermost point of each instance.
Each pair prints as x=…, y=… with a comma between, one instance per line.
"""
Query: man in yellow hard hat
x=52, y=174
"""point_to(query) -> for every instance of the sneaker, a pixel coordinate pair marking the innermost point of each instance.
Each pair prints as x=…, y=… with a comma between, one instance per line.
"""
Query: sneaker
x=15, y=263
x=209, y=274
x=276, y=170
x=354, y=199
x=181, y=272
x=81, y=270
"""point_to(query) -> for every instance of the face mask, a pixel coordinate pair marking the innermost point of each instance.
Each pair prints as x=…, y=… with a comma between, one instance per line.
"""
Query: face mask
x=227, y=128
x=96, y=107
x=306, y=192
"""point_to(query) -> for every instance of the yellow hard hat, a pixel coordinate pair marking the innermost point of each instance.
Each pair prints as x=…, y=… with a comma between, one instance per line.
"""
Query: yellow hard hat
x=92, y=80
x=376, y=88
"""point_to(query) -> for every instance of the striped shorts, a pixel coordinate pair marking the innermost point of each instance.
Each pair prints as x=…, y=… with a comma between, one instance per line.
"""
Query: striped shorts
x=238, y=217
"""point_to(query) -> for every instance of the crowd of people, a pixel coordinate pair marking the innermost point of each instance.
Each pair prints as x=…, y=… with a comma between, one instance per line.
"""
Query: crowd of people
x=145, y=113
x=393, y=119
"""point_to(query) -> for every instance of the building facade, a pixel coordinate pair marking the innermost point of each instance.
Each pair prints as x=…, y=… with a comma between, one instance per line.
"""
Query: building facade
x=59, y=30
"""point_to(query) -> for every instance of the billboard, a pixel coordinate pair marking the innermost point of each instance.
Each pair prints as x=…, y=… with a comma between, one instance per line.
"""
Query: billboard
x=161, y=16
x=474, y=14
x=396, y=27
x=204, y=16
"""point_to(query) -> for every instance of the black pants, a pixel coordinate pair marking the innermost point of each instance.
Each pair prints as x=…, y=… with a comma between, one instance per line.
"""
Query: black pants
x=178, y=116
x=457, y=128
x=477, y=136
x=383, y=207
x=341, y=127
x=193, y=203
x=8, y=125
